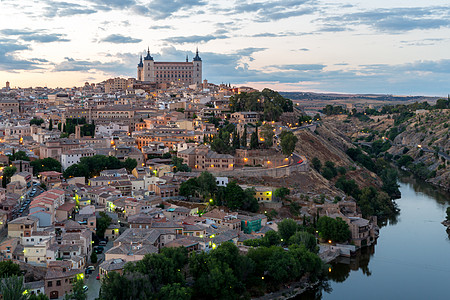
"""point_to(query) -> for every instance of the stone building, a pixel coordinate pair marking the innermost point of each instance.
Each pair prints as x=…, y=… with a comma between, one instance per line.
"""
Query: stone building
x=167, y=72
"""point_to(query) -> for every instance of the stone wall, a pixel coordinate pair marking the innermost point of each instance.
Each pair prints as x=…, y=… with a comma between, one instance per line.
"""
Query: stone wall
x=259, y=172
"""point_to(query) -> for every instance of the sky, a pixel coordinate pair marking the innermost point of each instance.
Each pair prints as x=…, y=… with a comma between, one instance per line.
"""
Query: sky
x=384, y=46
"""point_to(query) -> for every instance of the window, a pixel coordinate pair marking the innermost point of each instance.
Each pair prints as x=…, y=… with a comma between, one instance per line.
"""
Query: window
x=58, y=282
x=49, y=284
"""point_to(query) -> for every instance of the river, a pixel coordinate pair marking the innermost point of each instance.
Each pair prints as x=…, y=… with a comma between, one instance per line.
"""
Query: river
x=411, y=259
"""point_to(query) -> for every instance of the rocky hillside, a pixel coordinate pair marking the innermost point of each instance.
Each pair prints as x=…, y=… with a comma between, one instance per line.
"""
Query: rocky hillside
x=420, y=142
x=426, y=139
x=327, y=143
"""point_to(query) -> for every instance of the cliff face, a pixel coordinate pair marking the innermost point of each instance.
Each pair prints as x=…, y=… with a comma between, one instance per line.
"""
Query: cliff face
x=426, y=138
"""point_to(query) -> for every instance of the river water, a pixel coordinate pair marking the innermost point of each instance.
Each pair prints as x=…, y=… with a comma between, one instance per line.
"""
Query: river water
x=411, y=259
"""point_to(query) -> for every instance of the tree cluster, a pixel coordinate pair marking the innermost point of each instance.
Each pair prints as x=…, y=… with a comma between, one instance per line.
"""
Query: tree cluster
x=222, y=273
x=36, y=121
x=270, y=103
x=290, y=234
x=85, y=130
x=178, y=165
x=45, y=164
x=336, y=230
x=334, y=110
x=232, y=196
x=93, y=165
x=287, y=142
x=227, y=139
x=102, y=224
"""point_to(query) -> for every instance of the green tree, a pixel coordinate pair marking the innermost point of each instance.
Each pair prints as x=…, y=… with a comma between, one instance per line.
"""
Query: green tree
x=335, y=230
x=306, y=239
x=19, y=155
x=130, y=164
x=12, y=288
x=8, y=268
x=78, y=292
x=207, y=184
x=50, y=125
x=282, y=193
x=448, y=213
x=287, y=228
x=94, y=257
x=36, y=121
x=317, y=165
x=267, y=134
x=236, y=139
x=254, y=143
x=46, y=164
x=287, y=142
x=244, y=137
x=102, y=224
x=236, y=198
x=8, y=172
x=189, y=188
x=76, y=170
x=178, y=165
x=175, y=291
x=179, y=256
x=40, y=296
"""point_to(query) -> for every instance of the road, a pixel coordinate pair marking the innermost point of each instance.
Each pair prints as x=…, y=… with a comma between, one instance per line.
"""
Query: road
x=92, y=283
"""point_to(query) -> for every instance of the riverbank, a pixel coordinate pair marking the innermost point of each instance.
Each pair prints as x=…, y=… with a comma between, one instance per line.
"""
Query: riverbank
x=291, y=291
x=412, y=251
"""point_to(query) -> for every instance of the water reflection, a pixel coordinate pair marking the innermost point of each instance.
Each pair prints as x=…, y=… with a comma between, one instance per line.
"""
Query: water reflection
x=442, y=197
x=417, y=228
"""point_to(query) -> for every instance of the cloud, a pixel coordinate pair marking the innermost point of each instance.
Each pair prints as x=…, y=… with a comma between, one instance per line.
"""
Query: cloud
x=37, y=35
x=116, y=3
x=194, y=39
x=276, y=10
x=395, y=20
x=158, y=27
x=270, y=34
x=65, y=9
x=9, y=61
x=299, y=67
x=74, y=65
x=155, y=9
x=120, y=39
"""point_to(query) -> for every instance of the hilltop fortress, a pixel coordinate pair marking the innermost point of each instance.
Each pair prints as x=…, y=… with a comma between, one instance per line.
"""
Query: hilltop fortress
x=186, y=72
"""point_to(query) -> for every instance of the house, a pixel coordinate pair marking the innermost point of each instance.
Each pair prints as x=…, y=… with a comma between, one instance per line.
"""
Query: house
x=73, y=156
x=202, y=158
x=8, y=247
x=35, y=287
x=177, y=213
x=245, y=117
x=252, y=223
x=111, y=265
x=59, y=278
x=65, y=211
x=218, y=216
x=187, y=243
x=23, y=166
x=50, y=178
x=22, y=227
x=25, y=178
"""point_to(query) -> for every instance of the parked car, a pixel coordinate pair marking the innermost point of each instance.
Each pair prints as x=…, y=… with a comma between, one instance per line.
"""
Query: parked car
x=98, y=277
x=102, y=243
